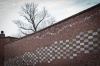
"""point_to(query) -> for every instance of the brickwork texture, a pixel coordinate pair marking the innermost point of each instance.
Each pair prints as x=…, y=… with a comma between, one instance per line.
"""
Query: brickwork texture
x=74, y=41
x=1, y=52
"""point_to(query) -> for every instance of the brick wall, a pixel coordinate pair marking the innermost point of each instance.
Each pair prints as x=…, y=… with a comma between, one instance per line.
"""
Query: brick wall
x=1, y=52
x=9, y=39
x=72, y=42
x=4, y=40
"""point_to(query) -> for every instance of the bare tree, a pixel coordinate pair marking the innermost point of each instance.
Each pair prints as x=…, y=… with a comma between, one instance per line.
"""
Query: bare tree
x=34, y=18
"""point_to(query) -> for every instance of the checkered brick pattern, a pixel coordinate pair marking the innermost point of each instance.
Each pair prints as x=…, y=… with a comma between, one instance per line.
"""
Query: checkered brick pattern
x=63, y=49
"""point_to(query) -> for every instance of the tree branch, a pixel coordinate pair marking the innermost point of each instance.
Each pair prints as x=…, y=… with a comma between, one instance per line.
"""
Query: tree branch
x=44, y=15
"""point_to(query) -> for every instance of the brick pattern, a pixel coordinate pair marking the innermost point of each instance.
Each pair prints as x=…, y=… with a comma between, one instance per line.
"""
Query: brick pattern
x=63, y=49
x=1, y=52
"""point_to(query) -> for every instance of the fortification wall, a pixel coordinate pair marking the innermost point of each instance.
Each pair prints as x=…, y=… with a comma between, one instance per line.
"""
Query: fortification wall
x=72, y=42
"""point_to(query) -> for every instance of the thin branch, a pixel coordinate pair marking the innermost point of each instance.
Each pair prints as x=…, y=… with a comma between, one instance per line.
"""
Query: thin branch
x=27, y=18
x=23, y=32
x=42, y=18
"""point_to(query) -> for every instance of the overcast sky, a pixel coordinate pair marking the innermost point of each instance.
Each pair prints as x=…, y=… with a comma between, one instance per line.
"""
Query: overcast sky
x=60, y=9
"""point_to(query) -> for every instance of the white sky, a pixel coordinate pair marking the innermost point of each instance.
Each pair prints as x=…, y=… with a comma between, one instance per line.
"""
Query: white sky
x=60, y=9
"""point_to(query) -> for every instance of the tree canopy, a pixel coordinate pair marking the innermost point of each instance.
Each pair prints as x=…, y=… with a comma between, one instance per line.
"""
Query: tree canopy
x=35, y=19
